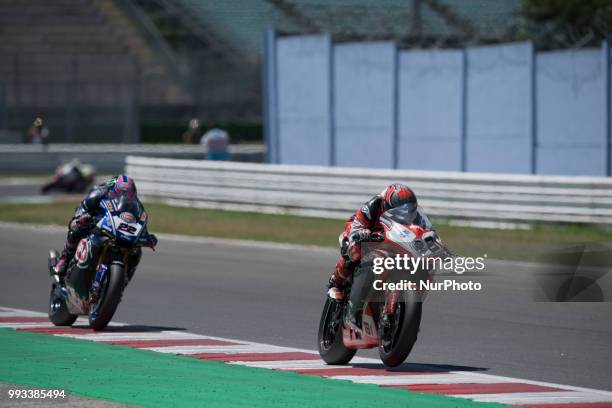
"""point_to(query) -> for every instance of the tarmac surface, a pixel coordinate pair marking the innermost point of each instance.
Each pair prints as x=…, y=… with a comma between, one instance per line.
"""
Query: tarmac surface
x=274, y=294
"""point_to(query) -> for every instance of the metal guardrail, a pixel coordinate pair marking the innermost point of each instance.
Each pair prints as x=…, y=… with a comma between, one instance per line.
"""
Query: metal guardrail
x=123, y=148
x=107, y=158
x=336, y=192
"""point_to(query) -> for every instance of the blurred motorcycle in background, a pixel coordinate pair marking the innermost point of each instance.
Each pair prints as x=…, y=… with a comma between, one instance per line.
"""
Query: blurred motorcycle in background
x=71, y=177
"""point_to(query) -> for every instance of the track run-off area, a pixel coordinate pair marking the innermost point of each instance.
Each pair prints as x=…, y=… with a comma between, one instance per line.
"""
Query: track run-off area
x=257, y=306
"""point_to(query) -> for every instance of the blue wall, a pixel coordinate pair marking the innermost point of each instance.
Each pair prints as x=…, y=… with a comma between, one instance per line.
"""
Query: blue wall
x=363, y=104
x=571, y=116
x=496, y=109
x=304, y=116
x=430, y=110
x=499, y=88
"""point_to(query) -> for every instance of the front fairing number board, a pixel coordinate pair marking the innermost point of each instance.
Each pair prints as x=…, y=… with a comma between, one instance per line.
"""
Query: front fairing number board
x=127, y=231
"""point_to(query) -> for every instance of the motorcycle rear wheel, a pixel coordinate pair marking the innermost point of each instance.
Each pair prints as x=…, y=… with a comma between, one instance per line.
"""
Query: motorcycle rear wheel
x=396, y=340
x=58, y=310
x=329, y=339
x=101, y=313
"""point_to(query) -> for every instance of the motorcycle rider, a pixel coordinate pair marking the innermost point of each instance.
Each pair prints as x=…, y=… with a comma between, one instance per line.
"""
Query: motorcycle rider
x=83, y=220
x=358, y=228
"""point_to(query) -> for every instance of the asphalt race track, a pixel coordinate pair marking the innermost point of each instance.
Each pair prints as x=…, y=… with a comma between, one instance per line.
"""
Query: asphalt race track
x=19, y=187
x=27, y=189
x=274, y=295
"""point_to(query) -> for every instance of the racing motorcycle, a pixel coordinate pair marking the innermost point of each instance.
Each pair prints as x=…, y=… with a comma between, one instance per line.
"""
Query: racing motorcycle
x=103, y=264
x=71, y=177
x=389, y=319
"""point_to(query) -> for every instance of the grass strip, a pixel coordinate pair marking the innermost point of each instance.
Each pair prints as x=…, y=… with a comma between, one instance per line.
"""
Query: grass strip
x=146, y=378
x=521, y=245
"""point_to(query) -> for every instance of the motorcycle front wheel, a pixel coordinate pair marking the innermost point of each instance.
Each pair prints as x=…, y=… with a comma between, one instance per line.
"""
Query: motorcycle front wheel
x=329, y=339
x=101, y=312
x=398, y=332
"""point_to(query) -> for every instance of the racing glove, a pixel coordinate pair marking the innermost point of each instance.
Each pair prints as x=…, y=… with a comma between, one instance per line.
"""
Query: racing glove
x=355, y=240
x=359, y=236
x=152, y=241
x=85, y=221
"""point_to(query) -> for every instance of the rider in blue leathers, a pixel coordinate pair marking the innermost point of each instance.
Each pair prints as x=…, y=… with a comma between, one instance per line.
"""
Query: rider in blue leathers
x=83, y=220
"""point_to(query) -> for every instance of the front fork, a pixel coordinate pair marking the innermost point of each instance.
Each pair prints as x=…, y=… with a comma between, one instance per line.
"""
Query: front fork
x=390, y=303
x=96, y=286
x=103, y=270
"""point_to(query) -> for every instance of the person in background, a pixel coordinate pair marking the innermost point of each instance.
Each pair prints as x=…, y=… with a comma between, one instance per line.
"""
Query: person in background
x=217, y=142
x=38, y=133
x=193, y=133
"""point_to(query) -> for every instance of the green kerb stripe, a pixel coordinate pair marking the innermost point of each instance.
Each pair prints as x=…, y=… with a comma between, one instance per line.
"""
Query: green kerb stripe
x=146, y=378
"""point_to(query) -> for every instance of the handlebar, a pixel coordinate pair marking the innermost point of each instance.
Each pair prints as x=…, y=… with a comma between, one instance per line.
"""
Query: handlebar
x=139, y=243
x=376, y=237
x=371, y=237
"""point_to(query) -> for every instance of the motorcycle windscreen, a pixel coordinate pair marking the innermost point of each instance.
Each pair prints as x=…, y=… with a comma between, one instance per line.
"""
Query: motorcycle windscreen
x=409, y=214
x=128, y=218
x=123, y=204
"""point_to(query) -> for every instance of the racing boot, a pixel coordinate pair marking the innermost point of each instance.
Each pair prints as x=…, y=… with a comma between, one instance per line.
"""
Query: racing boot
x=335, y=292
x=338, y=280
x=62, y=263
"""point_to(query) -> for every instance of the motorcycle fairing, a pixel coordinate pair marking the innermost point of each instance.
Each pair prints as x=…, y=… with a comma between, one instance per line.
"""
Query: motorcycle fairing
x=117, y=222
x=405, y=232
x=76, y=301
x=85, y=268
x=365, y=338
x=83, y=254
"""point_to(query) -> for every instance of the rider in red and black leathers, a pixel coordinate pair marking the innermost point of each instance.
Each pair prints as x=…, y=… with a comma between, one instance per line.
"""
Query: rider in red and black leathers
x=83, y=220
x=359, y=227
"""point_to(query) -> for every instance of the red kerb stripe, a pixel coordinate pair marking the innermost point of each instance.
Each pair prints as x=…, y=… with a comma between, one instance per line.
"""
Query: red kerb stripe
x=24, y=319
x=475, y=388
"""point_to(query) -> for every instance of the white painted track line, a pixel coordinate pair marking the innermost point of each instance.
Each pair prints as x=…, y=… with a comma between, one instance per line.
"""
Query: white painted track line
x=553, y=397
x=443, y=378
x=240, y=349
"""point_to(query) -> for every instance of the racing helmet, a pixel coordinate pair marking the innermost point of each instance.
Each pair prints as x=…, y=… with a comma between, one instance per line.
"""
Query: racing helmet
x=398, y=194
x=122, y=186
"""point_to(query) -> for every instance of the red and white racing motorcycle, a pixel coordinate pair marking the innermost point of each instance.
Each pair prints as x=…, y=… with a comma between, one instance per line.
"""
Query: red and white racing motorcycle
x=390, y=319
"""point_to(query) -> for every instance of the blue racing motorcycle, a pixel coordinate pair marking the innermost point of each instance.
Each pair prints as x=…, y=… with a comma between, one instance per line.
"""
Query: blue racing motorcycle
x=103, y=264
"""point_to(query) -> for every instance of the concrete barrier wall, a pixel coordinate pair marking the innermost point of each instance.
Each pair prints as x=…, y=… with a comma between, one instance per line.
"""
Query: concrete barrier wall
x=572, y=112
x=107, y=158
x=363, y=104
x=500, y=108
x=499, y=87
x=430, y=110
x=304, y=116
